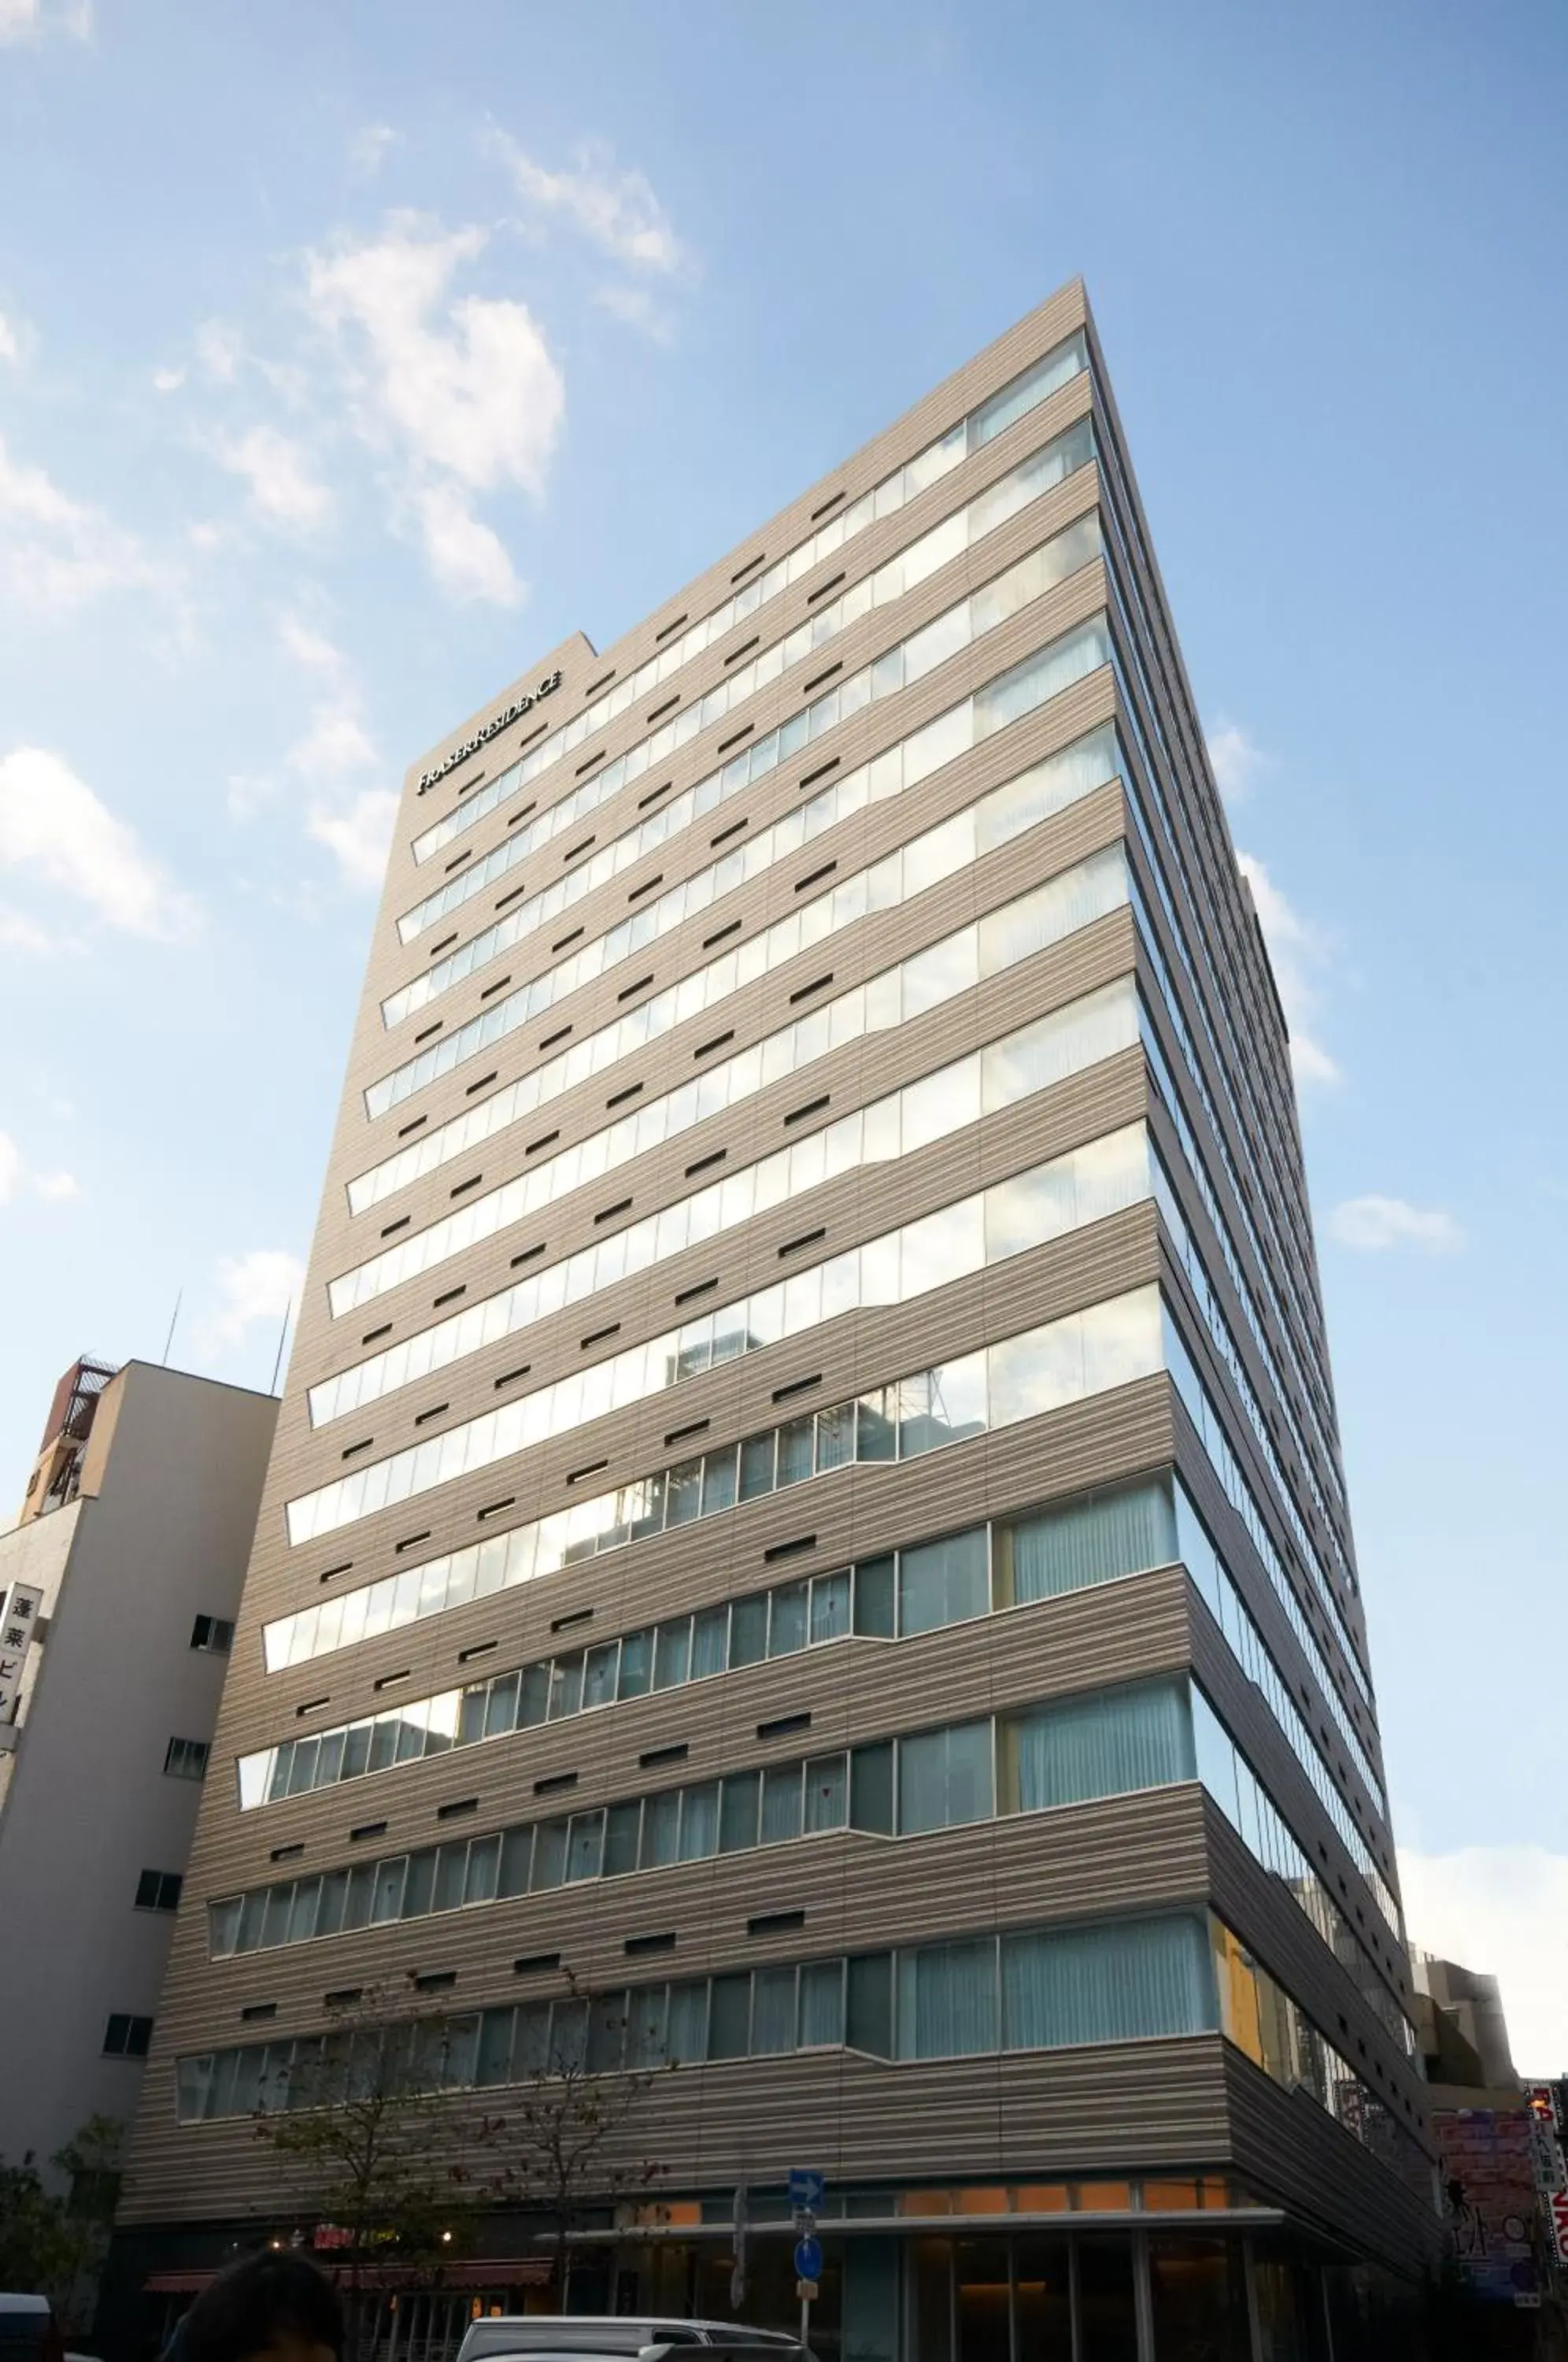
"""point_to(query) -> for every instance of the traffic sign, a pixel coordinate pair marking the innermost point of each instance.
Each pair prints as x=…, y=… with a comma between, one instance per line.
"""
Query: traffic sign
x=807, y=2290
x=1557, y=2209
x=807, y=2188
x=808, y=2259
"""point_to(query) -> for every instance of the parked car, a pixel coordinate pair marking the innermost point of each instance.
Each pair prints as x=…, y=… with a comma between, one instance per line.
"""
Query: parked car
x=28, y=2330
x=564, y=2337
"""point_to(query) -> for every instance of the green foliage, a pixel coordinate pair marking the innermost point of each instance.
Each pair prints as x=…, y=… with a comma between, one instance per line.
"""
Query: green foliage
x=52, y=2244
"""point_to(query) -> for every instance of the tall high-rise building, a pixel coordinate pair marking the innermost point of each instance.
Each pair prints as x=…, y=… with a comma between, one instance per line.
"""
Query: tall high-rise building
x=807, y=1537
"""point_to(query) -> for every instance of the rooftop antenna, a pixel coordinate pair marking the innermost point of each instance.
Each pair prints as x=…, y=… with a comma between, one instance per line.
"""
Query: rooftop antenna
x=282, y=1332
x=174, y=1316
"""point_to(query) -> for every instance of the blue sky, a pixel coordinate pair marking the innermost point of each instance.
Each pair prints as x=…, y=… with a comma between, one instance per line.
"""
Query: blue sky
x=351, y=356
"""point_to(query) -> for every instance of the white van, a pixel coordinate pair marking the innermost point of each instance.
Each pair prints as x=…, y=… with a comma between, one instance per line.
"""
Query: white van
x=533, y=2335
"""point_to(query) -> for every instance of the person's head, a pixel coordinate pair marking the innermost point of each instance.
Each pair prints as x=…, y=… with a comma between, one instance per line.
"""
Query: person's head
x=275, y=2305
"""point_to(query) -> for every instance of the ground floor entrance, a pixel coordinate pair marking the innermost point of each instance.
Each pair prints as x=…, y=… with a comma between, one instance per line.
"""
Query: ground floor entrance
x=1039, y=2294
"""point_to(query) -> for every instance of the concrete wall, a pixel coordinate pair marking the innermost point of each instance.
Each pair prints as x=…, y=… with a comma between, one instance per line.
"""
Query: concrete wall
x=88, y=1806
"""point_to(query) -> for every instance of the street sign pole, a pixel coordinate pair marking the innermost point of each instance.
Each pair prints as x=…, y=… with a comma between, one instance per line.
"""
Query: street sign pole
x=808, y=2187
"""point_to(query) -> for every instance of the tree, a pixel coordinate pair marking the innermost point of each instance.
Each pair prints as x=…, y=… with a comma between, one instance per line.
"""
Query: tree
x=366, y=2119
x=567, y=2140
x=52, y=2244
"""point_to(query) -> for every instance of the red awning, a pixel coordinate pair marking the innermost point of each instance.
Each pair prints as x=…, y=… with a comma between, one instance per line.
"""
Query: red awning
x=472, y=2273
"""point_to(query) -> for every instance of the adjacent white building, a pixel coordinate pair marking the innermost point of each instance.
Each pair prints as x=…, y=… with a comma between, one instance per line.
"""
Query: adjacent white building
x=118, y=1589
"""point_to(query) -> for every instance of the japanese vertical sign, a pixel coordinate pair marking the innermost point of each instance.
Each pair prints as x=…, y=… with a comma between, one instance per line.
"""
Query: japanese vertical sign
x=18, y=1616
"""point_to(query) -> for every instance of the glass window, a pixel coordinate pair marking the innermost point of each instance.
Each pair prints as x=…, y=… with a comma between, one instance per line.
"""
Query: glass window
x=822, y=2002
x=636, y=1664
x=738, y=1816
x=942, y=1583
x=874, y=1584
x=684, y=1494
x=944, y=1777
x=606, y=2033
x=827, y=1791
x=484, y=1863
x=645, y=2027
x=1108, y=2316
x=686, y=2031
x=566, y=1687
x=835, y=1436
x=869, y=2004
x=600, y=1674
x=1037, y=1372
x=534, y=1698
x=1091, y=1539
x=1043, y=2292
x=947, y=1999
x=1106, y=1744
x=871, y=1788
x=452, y=1866
x=718, y=1482
x=1216, y=1759
x=772, y=2011
x=1117, y=1982
x=361, y=1888
x=729, y=2017
x=875, y=1429
x=419, y=1885
x=672, y=1655
x=275, y=1916
x=748, y=1630
x=494, y=2064
x=757, y=1466
x=585, y=1846
x=516, y=1856
x=549, y=1855
x=781, y=1803
x=501, y=1707
x=223, y=1932
x=788, y=1628
x=700, y=1821
x=623, y=1833
x=709, y=1642
x=661, y=1829
x=829, y=1607
x=387, y=1899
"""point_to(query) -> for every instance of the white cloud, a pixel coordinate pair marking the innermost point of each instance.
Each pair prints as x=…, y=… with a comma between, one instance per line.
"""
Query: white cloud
x=219, y=351
x=466, y=557
x=259, y=1286
x=615, y=210
x=56, y=553
x=359, y=836
x=19, y=1178
x=56, y=834
x=1237, y=761
x=30, y=20
x=461, y=393
x=310, y=648
x=1298, y=951
x=10, y=336
x=336, y=759
x=282, y=489
x=636, y=308
x=168, y=381
x=475, y=394
x=1502, y=1910
x=368, y=148
x=1373, y=1224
